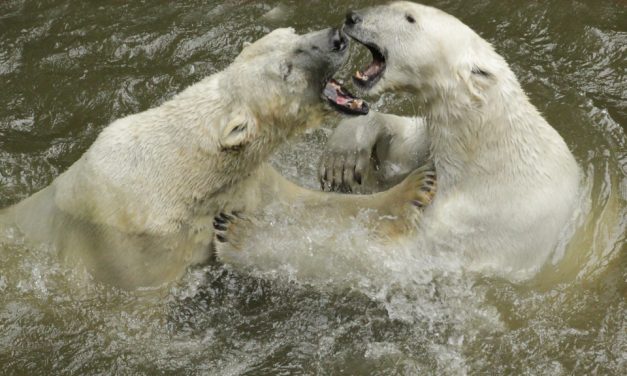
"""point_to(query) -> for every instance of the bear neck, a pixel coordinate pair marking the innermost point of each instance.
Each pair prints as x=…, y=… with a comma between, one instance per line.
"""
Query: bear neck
x=500, y=133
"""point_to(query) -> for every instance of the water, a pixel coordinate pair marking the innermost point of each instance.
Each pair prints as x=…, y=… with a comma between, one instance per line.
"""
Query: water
x=68, y=68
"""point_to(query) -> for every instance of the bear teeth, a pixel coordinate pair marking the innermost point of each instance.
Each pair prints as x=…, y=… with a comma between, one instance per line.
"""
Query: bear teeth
x=361, y=76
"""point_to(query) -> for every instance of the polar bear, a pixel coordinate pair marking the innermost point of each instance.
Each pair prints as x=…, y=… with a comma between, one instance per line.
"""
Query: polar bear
x=508, y=185
x=507, y=182
x=138, y=207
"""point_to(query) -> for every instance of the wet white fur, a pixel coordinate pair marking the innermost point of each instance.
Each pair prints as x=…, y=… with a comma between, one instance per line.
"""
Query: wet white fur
x=507, y=182
x=137, y=208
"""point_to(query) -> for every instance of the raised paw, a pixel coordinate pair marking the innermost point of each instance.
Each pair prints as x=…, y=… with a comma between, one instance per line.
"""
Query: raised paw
x=343, y=172
x=347, y=156
x=405, y=202
x=419, y=187
x=426, y=178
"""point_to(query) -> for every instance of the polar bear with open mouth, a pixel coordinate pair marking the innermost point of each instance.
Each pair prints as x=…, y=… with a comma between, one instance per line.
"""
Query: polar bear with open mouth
x=507, y=182
x=143, y=203
x=508, y=185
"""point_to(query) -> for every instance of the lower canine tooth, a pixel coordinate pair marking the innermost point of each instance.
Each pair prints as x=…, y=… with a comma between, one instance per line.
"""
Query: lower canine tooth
x=356, y=104
x=361, y=76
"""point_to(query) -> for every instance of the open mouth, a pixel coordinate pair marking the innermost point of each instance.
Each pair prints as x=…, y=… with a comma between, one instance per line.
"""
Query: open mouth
x=368, y=77
x=342, y=100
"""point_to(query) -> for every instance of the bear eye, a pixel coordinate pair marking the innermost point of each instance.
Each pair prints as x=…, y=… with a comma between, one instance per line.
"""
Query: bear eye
x=410, y=19
x=286, y=70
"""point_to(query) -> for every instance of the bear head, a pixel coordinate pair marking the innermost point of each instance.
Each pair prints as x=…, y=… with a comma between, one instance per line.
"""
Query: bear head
x=282, y=82
x=421, y=50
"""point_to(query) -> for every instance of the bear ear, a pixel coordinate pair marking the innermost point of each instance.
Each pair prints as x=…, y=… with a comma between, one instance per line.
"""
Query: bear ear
x=238, y=132
x=477, y=79
x=285, y=69
x=294, y=78
x=480, y=71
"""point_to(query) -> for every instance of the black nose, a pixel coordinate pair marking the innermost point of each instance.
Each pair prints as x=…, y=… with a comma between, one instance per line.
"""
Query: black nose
x=339, y=40
x=352, y=18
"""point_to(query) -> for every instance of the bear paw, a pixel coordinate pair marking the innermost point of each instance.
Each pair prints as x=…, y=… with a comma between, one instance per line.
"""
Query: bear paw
x=228, y=230
x=405, y=203
x=419, y=187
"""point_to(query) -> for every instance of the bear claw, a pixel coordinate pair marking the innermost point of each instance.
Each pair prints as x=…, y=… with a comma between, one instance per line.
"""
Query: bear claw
x=425, y=186
x=417, y=203
x=228, y=229
x=221, y=223
x=219, y=226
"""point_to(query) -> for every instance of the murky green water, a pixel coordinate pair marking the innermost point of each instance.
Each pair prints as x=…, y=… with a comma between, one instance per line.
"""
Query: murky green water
x=67, y=68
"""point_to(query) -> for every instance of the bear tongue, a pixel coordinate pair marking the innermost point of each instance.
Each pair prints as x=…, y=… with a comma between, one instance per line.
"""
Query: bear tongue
x=342, y=100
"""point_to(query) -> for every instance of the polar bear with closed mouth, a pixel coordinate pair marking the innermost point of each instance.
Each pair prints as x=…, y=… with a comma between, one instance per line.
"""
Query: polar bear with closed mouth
x=140, y=205
x=507, y=183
